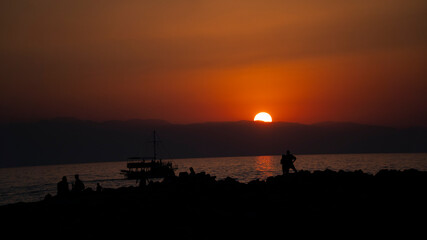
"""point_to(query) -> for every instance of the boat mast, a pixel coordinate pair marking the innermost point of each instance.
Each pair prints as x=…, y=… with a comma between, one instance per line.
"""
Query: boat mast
x=154, y=145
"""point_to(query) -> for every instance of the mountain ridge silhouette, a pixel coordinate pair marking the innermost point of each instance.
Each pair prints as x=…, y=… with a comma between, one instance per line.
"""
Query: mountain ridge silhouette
x=70, y=140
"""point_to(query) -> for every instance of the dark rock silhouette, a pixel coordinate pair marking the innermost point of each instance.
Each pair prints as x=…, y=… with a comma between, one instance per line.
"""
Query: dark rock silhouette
x=197, y=206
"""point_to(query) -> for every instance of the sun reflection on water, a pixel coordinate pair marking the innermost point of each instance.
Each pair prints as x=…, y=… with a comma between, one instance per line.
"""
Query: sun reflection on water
x=265, y=165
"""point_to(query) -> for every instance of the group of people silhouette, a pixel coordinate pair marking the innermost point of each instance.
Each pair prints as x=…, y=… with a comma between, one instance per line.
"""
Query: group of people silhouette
x=63, y=188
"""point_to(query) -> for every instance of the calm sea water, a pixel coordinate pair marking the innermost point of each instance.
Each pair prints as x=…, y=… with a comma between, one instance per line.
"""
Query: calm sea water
x=26, y=184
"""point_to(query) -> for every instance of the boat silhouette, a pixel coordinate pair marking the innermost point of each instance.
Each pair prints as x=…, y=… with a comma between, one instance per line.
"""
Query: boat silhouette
x=148, y=167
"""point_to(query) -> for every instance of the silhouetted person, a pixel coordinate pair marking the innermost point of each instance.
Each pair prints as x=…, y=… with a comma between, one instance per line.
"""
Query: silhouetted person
x=98, y=187
x=78, y=184
x=287, y=162
x=143, y=182
x=62, y=187
x=192, y=172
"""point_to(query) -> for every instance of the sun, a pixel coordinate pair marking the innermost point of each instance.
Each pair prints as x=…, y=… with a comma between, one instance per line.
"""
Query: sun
x=263, y=116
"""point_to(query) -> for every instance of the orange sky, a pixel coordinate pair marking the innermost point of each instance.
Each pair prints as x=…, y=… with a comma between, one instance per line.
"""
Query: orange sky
x=195, y=61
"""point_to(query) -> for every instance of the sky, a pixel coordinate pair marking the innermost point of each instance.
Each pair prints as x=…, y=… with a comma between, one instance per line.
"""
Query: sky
x=188, y=61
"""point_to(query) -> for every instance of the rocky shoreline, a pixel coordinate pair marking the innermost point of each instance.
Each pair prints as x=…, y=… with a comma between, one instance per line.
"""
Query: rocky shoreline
x=197, y=206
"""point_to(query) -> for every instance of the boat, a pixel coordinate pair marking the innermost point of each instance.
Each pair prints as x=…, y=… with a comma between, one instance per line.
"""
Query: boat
x=148, y=167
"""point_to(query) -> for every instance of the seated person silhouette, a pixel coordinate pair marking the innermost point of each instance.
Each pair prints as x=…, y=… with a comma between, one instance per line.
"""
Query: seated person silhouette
x=78, y=184
x=62, y=187
x=287, y=162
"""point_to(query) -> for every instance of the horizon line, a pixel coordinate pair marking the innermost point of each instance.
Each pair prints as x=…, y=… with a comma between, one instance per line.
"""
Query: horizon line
x=165, y=122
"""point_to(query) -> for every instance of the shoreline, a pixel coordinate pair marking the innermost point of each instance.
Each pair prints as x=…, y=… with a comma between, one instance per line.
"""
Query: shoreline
x=222, y=156
x=197, y=206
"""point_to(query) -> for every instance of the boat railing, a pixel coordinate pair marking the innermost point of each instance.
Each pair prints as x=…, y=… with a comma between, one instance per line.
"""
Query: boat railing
x=138, y=162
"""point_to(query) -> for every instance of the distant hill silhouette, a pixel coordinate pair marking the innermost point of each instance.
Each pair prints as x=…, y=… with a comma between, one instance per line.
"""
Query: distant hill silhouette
x=68, y=140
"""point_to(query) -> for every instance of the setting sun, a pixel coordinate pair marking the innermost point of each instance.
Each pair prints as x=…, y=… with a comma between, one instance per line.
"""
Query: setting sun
x=263, y=116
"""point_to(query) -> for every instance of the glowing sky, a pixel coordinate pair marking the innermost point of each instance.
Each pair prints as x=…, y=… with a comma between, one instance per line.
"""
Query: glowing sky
x=193, y=61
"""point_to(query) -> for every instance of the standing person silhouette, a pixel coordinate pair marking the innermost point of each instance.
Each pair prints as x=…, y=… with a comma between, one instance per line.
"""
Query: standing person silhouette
x=287, y=162
x=78, y=184
x=63, y=187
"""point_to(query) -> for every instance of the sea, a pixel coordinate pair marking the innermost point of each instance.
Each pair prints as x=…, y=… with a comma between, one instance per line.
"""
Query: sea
x=29, y=184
